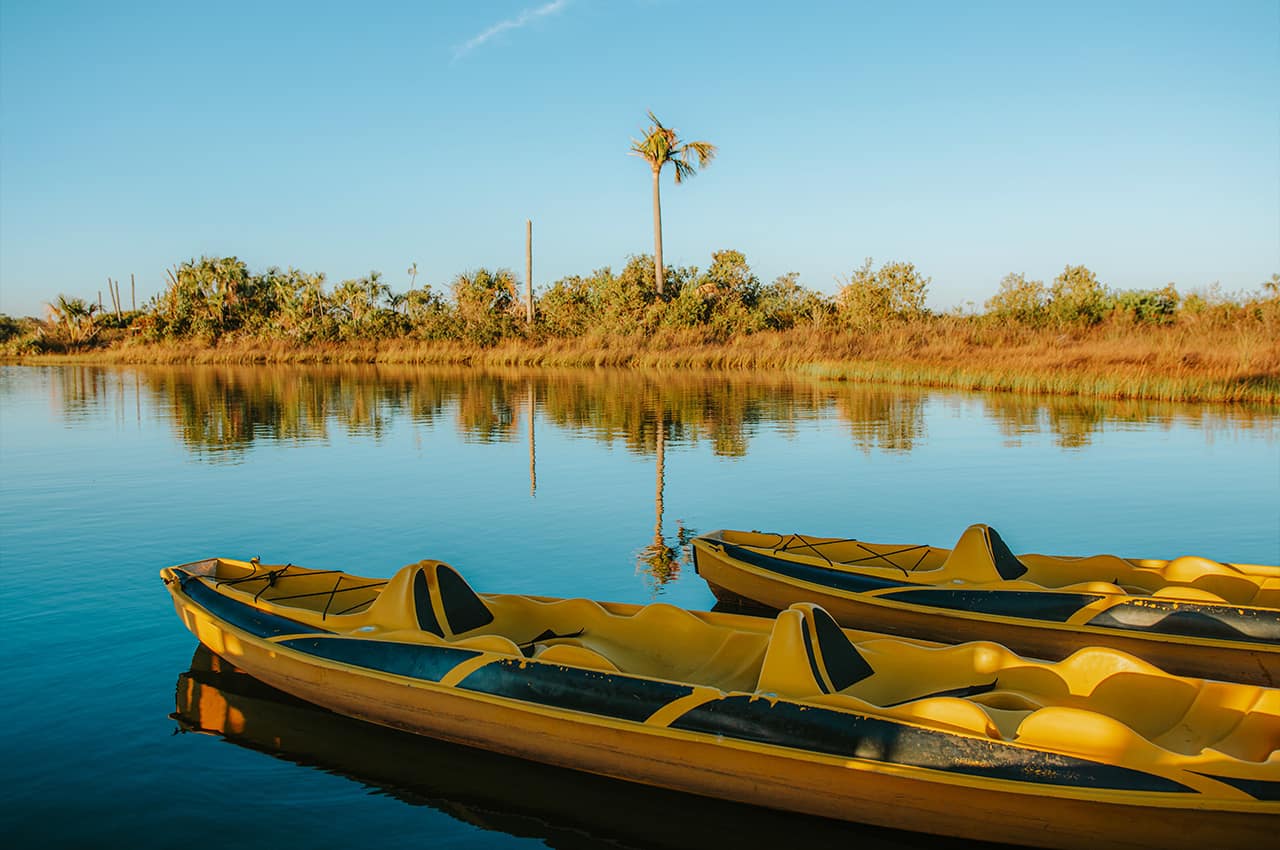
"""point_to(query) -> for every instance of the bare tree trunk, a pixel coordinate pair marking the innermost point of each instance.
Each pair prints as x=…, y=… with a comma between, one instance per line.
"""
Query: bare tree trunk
x=133, y=293
x=528, y=270
x=657, y=232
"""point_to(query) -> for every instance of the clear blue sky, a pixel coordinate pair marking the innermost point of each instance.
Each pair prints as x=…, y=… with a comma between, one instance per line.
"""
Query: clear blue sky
x=974, y=139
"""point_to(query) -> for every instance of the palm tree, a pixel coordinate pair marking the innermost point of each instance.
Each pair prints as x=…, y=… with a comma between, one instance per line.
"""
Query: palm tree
x=659, y=146
x=76, y=316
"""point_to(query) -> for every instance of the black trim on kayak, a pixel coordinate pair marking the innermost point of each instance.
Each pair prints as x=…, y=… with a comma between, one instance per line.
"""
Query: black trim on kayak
x=847, y=735
x=814, y=667
x=964, y=691
x=422, y=605
x=255, y=621
x=839, y=579
x=462, y=608
x=1258, y=789
x=845, y=665
x=591, y=691
x=1024, y=604
x=414, y=660
x=1007, y=563
x=1194, y=619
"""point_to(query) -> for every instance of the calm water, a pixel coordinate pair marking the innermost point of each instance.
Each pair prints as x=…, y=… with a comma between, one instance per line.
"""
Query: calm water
x=567, y=484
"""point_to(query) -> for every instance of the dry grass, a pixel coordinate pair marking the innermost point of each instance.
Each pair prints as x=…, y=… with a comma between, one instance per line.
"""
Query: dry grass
x=1178, y=363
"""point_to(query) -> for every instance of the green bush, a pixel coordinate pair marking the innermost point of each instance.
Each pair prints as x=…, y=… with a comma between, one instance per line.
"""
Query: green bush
x=486, y=305
x=1077, y=298
x=567, y=309
x=1020, y=300
x=894, y=292
x=1148, y=306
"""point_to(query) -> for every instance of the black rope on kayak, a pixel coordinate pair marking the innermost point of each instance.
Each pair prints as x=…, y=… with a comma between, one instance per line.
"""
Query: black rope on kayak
x=884, y=556
x=253, y=574
x=920, y=561
x=817, y=552
x=272, y=577
x=785, y=543
x=526, y=648
x=352, y=608
x=324, y=592
x=329, y=601
x=780, y=544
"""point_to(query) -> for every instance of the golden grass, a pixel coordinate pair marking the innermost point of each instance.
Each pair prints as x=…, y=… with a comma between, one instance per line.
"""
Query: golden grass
x=1178, y=363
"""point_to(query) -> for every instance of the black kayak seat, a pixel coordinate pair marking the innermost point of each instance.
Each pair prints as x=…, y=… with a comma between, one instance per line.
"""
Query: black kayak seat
x=444, y=604
x=981, y=555
x=808, y=654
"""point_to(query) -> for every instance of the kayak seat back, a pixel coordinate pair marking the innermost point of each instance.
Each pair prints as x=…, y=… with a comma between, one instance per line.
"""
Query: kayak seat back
x=808, y=655
x=432, y=597
x=980, y=556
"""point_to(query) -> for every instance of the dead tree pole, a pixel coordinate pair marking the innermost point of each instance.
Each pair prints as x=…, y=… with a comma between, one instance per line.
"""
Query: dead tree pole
x=528, y=270
x=133, y=294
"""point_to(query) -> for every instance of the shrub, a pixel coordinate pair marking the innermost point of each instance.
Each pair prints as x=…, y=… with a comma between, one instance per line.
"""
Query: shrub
x=1020, y=300
x=566, y=309
x=1077, y=298
x=486, y=304
x=429, y=316
x=869, y=299
x=1148, y=306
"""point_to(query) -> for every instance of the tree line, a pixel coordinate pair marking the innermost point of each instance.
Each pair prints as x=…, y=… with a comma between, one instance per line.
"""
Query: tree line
x=212, y=299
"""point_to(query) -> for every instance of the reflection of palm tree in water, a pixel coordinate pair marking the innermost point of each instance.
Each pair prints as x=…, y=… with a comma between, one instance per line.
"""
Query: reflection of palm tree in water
x=659, y=560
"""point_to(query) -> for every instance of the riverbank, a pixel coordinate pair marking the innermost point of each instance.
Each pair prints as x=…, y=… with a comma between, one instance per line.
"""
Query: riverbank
x=1167, y=364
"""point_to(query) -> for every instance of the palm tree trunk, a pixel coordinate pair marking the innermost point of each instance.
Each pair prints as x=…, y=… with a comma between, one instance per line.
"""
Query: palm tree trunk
x=657, y=231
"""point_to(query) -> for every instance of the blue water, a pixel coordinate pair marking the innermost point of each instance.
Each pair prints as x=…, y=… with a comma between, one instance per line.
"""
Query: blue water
x=107, y=475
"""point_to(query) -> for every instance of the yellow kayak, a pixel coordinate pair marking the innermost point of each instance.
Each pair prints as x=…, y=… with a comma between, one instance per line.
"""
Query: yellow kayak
x=794, y=713
x=562, y=808
x=1190, y=616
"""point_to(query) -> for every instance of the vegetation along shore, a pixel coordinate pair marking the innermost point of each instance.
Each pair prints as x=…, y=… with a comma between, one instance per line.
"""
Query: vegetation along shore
x=1074, y=335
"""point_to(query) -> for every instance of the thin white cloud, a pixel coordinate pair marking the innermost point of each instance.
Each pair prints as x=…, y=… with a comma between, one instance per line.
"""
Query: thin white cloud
x=515, y=23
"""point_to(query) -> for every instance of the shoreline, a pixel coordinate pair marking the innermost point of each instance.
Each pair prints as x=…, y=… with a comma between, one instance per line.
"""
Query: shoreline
x=1089, y=368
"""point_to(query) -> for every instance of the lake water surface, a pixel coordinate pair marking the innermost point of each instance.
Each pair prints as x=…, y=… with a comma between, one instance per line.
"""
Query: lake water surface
x=572, y=483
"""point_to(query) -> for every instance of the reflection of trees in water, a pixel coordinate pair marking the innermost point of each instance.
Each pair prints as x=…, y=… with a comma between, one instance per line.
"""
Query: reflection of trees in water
x=888, y=419
x=487, y=410
x=694, y=407
x=221, y=411
x=1071, y=421
x=80, y=387
x=82, y=390
x=1074, y=421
